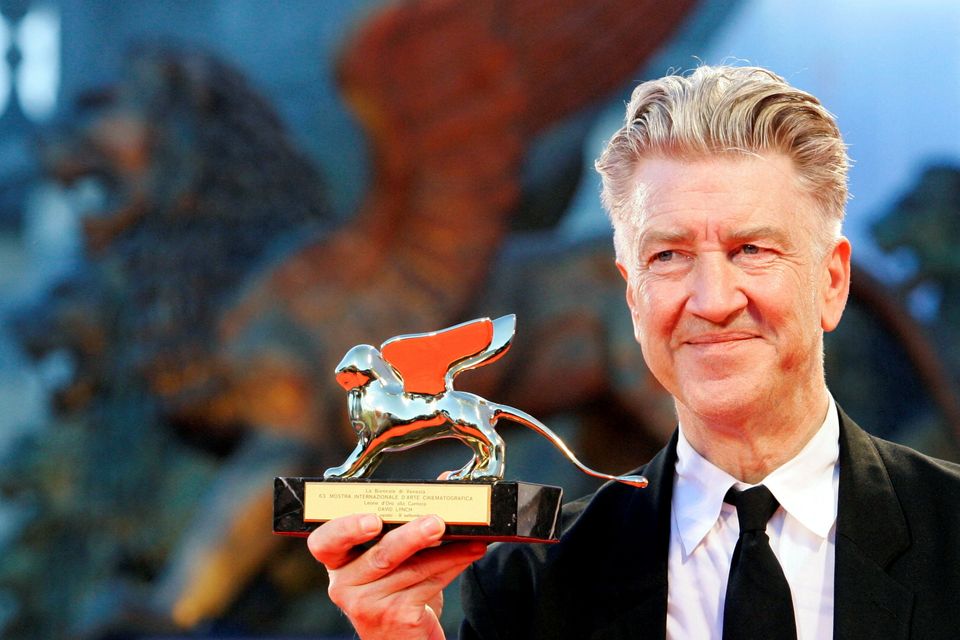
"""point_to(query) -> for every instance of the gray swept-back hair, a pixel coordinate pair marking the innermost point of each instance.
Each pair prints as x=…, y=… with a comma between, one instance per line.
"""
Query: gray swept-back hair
x=723, y=110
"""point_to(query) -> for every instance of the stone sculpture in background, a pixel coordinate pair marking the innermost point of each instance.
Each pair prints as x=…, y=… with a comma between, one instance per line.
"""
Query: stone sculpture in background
x=203, y=186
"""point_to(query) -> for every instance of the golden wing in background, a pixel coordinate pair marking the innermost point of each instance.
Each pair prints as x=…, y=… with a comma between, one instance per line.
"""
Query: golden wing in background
x=451, y=95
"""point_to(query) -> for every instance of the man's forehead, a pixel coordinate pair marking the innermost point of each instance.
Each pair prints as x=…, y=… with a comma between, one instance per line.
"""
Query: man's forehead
x=662, y=175
x=753, y=194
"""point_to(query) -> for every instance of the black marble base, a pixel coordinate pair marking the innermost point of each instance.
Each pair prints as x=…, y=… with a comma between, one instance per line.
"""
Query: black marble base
x=520, y=511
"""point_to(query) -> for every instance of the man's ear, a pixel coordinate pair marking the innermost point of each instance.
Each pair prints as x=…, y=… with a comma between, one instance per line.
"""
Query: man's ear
x=836, y=285
x=626, y=278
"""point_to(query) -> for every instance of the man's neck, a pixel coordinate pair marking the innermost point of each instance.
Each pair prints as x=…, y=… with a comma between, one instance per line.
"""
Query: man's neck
x=749, y=446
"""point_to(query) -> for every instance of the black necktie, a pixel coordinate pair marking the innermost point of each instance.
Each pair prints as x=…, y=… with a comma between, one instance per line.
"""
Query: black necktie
x=758, y=604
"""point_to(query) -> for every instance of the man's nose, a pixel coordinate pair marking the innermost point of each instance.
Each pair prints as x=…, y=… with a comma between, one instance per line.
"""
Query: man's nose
x=716, y=292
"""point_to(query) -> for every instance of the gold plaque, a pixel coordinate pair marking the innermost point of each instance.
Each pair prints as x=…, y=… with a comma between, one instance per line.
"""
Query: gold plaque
x=455, y=503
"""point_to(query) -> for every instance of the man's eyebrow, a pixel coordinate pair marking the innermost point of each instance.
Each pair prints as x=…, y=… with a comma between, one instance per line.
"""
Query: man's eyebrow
x=776, y=234
x=664, y=236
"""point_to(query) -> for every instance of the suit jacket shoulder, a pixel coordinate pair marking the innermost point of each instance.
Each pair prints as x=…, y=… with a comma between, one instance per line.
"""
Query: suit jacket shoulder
x=897, y=556
x=898, y=541
x=609, y=569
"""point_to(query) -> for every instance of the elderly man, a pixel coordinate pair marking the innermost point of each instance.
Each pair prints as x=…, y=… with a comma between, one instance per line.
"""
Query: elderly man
x=770, y=514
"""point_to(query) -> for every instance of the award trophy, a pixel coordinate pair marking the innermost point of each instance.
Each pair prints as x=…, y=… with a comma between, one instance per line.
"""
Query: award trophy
x=402, y=396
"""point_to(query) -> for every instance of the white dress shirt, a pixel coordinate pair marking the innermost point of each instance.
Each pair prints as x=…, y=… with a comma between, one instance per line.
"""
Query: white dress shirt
x=704, y=531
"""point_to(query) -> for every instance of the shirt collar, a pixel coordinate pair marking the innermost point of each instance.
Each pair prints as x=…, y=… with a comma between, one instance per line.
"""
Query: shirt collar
x=805, y=485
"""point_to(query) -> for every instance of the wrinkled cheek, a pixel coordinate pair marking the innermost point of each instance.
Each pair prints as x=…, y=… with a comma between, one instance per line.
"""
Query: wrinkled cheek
x=641, y=313
x=652, y=347
x=653, y=311
x=796, y=352
x=792, y=362
x=644, y=332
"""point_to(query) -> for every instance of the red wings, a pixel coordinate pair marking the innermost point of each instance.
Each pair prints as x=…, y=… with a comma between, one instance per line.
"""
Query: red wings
x=424, y=359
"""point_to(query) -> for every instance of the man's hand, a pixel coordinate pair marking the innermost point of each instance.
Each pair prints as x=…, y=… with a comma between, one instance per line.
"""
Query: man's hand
x=394, y=589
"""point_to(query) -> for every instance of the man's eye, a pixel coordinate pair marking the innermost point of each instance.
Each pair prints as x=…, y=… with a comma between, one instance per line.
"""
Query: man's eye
x=750, y=249
x=663, y=256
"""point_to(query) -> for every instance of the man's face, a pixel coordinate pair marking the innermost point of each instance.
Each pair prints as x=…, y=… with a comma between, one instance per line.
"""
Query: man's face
x=729, y=291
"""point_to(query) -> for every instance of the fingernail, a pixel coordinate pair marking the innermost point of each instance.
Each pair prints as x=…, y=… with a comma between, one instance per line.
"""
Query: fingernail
x=369, y=524
x=433, y=526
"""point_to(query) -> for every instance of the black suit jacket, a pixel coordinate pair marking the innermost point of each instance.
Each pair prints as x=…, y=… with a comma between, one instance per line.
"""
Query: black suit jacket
x=897, y=556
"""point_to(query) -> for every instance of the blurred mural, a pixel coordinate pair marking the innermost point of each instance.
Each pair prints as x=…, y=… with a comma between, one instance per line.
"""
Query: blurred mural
x=203, y=205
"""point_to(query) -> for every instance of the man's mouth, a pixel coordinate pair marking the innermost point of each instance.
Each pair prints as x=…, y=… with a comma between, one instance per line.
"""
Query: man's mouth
x=721, y=337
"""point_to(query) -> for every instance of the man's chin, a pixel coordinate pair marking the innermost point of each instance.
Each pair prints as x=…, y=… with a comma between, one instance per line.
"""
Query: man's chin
x=723, y=399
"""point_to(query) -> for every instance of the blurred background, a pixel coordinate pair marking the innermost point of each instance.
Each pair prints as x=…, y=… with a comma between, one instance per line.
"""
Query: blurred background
x=205, y=203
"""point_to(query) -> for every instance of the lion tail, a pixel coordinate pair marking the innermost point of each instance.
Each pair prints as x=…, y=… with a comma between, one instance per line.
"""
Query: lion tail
x=516, y=415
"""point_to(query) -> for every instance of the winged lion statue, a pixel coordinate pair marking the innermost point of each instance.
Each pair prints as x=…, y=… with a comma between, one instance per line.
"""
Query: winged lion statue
x=402, y=395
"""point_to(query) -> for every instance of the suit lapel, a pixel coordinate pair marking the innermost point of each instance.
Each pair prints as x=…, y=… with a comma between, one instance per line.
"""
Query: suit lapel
x=636, y=585
x=871, y=533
